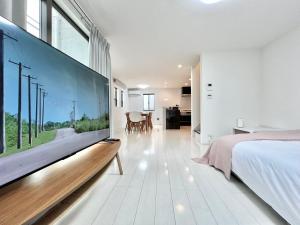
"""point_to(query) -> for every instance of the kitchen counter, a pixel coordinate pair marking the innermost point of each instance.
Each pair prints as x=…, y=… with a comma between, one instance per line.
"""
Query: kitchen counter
x=185, y=117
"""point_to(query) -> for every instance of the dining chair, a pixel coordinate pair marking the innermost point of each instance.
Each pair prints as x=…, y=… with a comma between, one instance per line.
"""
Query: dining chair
x=128, y=123
x=149, y=120
x=144, y=121
x=136, y=121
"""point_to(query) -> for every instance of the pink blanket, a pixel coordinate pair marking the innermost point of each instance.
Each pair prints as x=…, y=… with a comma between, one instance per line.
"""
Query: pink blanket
x=220, y=151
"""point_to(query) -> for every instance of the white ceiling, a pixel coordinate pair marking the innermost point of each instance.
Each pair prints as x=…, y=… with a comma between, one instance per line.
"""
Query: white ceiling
x=149, y=38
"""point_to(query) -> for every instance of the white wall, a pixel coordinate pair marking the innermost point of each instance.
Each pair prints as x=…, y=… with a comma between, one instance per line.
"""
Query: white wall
x=118, y=112
x=235, y=76
x=186, y=102
x=6, y=9
x=260, y=86
x=281, y=82
x=164, y=97
x=195, y=102
x=15, y=11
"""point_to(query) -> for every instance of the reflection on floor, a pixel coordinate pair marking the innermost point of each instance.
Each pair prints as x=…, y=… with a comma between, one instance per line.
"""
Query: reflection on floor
x=161, y=185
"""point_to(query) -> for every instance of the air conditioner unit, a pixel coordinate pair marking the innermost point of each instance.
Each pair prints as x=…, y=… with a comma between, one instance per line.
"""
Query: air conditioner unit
x=134, y=92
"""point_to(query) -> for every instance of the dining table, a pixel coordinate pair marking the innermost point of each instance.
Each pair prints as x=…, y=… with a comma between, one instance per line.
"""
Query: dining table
x=140, y=121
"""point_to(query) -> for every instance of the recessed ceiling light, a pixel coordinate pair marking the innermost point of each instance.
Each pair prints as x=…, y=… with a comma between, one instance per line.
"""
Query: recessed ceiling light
x=143, y=165
x=210, y=1
x=143, y=86
x=179, y=208
x=179, y=66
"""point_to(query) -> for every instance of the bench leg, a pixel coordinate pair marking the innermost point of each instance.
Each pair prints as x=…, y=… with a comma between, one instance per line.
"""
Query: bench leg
x=119, y=164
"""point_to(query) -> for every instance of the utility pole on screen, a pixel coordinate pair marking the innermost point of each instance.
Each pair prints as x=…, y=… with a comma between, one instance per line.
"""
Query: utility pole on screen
x=40, y=109
x=43, y=108
x=20, y=68
x=37, y=86
x=73, y=114
x=2, y=111
x=29, y=79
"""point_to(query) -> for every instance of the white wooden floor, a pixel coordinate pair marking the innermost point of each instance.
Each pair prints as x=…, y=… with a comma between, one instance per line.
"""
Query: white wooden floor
x=162, y=186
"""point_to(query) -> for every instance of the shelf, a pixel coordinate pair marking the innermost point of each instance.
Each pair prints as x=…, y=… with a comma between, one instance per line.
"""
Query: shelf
x=28, y=198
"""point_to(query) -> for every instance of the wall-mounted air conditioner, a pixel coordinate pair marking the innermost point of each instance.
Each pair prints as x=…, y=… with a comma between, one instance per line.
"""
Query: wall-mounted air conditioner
x=134, y=92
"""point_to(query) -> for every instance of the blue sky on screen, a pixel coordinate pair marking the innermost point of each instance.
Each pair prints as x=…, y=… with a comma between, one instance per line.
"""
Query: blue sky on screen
x=64, y=79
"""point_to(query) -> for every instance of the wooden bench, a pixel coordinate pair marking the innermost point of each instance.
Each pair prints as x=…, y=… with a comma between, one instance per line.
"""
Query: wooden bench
x=28, y=198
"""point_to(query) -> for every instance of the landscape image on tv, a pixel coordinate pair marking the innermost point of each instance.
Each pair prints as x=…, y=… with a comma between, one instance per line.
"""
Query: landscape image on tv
x=51, y=106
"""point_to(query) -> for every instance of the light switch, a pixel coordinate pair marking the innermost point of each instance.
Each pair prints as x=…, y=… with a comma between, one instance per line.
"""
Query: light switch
x=209, y=87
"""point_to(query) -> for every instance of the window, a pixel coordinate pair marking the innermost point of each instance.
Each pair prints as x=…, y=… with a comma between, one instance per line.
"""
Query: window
x=33, y=17
x=68, y=37
x=149, y=102
x=116, y=97
x=122, y=99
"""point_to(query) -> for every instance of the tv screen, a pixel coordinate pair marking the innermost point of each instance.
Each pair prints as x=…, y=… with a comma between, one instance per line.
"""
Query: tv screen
x=51, y=106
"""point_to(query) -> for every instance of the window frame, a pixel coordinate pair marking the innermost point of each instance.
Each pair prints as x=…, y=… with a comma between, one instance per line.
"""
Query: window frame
x=68, y=18
x=116, y=96
x=149, y=110
x=122, y=98
x=46, y=7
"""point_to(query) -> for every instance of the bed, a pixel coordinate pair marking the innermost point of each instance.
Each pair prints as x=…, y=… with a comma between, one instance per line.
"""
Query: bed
x=272, y=170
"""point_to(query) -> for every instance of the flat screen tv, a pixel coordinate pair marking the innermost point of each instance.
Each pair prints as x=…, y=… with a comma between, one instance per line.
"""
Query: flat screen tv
x=51, y=106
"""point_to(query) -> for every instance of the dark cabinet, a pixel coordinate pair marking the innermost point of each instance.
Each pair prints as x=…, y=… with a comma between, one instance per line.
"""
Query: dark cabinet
x=172, y=118
x=185, y=120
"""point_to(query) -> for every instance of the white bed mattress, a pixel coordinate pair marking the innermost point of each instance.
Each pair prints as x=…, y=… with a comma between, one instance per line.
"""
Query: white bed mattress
x=272, y=170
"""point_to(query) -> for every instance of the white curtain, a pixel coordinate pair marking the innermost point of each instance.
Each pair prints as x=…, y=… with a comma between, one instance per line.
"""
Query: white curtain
x=99, y=53
x=100, y=62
